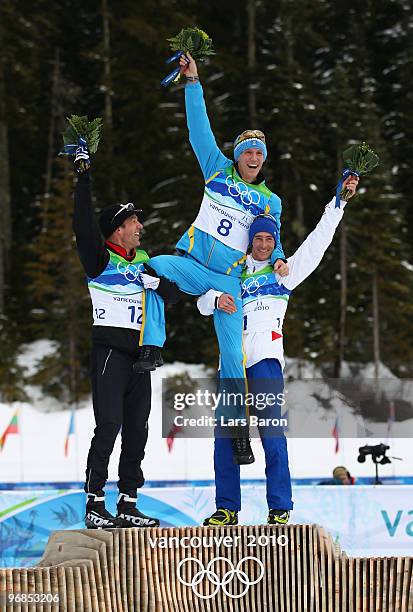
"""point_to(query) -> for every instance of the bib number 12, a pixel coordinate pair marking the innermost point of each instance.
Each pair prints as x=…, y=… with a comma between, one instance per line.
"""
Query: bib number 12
x=224, y=227
x=135, y=316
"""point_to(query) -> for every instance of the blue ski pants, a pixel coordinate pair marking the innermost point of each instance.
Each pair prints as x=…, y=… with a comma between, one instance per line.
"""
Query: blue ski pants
x=195, y=279
x=263, y=377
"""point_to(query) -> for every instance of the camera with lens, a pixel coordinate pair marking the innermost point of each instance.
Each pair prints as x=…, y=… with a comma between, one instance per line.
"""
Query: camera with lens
x=377, y=452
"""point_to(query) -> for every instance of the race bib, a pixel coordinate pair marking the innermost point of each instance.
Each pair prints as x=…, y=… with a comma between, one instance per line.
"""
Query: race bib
x=117, y=310
x=264, y=314
x=227, y=217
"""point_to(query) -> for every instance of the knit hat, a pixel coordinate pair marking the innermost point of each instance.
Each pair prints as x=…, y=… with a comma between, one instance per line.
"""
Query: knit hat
x=113, y=216
x=250, y=139
x=263, y=223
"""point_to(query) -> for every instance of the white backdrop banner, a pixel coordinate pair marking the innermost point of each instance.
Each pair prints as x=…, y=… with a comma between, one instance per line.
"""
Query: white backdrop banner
x=364, y=520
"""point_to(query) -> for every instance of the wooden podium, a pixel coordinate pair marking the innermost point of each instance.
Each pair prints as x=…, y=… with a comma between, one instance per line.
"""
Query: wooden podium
x=294, y=568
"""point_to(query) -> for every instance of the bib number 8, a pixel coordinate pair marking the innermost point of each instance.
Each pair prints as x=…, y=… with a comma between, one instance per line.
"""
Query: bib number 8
x=224, y=227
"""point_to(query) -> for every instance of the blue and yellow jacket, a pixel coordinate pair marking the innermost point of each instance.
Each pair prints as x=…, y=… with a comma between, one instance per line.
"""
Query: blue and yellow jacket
x=218, y=238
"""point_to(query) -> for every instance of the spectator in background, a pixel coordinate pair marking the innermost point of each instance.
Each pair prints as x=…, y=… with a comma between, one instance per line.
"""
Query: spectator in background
x=341, y=476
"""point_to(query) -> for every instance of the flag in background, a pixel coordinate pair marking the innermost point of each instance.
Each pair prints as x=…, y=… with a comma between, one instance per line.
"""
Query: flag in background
x=336, y=434
x=391, y=418
x=70, y=431
x=12, y=428
x=171, y=436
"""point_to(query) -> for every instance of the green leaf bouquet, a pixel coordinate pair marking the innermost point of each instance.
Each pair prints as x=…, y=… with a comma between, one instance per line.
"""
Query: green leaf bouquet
x=194, y=41
x=81, y=127
x=359, y=160
x=189, y=40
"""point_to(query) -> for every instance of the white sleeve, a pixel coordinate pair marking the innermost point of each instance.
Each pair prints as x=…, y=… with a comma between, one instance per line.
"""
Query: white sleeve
x=206, y=302
x=308, y=256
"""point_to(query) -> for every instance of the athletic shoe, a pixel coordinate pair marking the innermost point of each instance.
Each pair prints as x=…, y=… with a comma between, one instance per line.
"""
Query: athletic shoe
x=221, y=518
x=149, y=358
x=158, y=357
x=128, y=513
x=278, y=517
x=241, y=448
x=97, y=517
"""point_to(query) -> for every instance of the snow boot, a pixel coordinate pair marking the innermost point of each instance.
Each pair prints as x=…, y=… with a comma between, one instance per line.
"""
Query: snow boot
x=278, y=517
x=128, y=512
x=242, y=451
x=221, y=518
x=149, y=359
x=97, y=517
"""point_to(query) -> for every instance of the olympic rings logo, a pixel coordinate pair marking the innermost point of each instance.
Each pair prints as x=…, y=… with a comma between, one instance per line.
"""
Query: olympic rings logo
x=129, y=271
x=251, y=285
x=214, y=578
x=248, y=197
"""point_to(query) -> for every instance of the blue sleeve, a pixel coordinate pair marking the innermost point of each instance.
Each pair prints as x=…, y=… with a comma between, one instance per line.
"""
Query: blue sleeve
x=202, y=139
x=275, y=211
x=278, y=252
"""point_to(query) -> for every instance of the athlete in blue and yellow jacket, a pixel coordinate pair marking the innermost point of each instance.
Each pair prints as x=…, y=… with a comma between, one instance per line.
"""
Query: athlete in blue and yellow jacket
x=215, y=245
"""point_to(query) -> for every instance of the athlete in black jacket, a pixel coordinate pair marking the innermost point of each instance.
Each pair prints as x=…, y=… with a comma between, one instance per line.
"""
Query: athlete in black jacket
x=121, y=394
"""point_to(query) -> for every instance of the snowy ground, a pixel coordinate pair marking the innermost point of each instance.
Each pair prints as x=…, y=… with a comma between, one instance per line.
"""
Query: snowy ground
x=37, y=454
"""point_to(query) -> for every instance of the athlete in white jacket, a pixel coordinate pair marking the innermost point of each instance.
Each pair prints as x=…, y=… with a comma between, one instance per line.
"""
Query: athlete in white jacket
x=265, y=298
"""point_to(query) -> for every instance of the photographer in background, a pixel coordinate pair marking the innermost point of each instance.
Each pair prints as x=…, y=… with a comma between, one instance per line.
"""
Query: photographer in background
x=341, y=476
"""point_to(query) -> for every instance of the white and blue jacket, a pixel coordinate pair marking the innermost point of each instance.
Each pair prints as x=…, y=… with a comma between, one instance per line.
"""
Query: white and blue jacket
x=265, y=295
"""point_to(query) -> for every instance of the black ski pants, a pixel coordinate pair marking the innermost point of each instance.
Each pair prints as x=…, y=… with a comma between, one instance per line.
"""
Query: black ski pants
x=121, y=399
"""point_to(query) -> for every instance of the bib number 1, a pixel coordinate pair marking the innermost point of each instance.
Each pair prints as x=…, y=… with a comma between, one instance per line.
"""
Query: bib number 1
x=224, y=227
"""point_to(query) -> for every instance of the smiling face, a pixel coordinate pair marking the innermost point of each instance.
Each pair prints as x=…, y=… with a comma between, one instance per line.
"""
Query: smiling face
x=263, y=245
x=127, y=235
x=250, y=163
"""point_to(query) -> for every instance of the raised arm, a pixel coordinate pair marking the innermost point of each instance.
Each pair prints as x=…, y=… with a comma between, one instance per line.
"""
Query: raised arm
x=309, y=255
x=92, y=252
x=201, y=137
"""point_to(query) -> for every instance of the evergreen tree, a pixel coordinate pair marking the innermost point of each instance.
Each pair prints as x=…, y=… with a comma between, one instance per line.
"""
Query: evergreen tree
x=60, y=302
x=11, y=373
x=320, y=76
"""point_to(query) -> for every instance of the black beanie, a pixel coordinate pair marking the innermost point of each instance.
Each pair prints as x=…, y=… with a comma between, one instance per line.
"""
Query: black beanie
x=113, y=216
